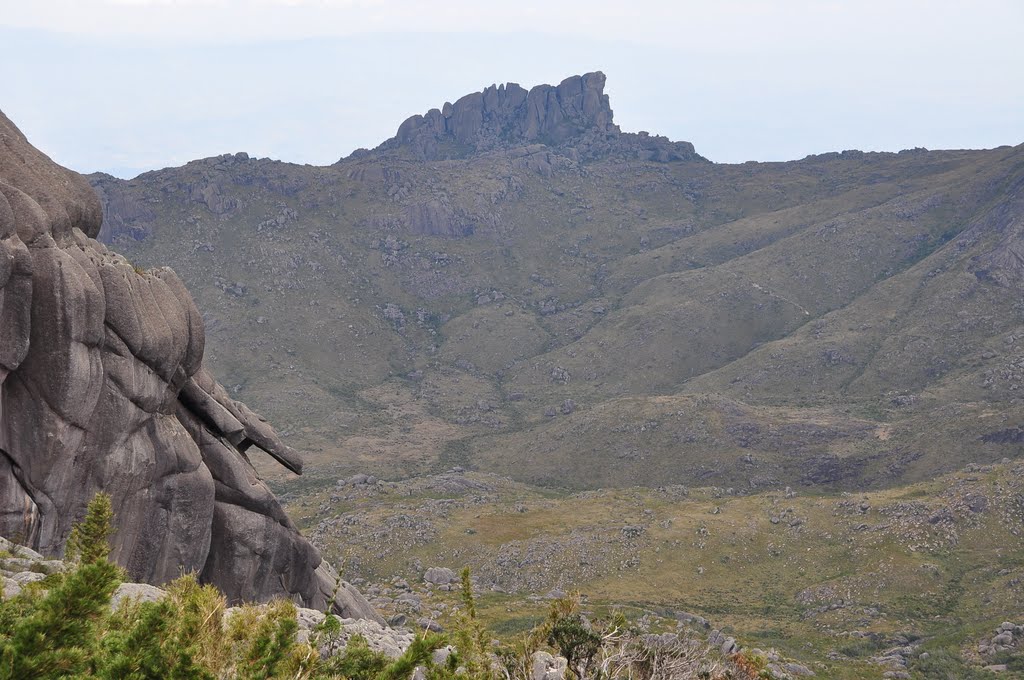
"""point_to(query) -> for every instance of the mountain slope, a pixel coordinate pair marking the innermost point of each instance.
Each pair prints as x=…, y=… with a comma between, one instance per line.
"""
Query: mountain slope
x=514, y=284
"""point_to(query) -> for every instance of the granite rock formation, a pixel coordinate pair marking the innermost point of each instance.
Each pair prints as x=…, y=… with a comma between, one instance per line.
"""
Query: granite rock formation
x=574, y=116
x=102, y=386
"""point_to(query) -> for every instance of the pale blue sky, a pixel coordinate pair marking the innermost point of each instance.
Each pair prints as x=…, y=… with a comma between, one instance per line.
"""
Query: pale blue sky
x=125, y=86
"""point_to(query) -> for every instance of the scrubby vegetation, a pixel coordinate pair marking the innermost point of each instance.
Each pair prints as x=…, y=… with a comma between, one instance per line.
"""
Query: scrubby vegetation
x=852, y=585
x=65, y=626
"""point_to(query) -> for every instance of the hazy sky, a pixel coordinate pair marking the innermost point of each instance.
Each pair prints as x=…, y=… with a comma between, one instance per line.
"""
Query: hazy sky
x=125, y=86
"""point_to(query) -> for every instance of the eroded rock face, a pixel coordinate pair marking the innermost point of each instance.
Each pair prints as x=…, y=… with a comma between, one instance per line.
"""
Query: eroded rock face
x=546, y=113
x=575, y=115
x=102, y=387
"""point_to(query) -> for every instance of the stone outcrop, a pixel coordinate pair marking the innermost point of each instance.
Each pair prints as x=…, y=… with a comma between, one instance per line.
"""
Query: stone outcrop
x=574, y=116
x=102, y=387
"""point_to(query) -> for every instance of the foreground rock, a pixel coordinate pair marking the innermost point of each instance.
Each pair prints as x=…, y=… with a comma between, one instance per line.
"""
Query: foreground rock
x=102, y=387
x=381, y=638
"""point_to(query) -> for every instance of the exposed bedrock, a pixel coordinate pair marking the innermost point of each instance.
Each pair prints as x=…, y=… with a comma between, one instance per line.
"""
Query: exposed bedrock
x=574, y=116
x=102, y=387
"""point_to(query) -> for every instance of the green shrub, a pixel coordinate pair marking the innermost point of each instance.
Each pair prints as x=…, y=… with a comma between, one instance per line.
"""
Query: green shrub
x=57, y=636
x=144, y=641
x=576, y=640
x=946, y=665
x=89, y=541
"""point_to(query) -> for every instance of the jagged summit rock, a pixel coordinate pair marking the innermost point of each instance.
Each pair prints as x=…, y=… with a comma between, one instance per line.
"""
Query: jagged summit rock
x=574, y=115
x=546, y=114
x=102, y=387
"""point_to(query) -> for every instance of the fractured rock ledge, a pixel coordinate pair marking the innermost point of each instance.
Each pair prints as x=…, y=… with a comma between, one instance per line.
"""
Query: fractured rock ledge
x=102, y=387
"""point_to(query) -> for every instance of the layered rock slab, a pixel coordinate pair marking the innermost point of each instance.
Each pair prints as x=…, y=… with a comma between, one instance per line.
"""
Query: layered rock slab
x=102, y=387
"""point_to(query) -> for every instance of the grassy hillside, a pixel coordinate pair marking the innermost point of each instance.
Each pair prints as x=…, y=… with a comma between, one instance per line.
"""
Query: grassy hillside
x=844, y=320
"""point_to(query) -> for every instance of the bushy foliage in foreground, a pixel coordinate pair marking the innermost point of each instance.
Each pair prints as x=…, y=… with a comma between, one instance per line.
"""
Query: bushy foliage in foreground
x=599, y=650
x=65, y=627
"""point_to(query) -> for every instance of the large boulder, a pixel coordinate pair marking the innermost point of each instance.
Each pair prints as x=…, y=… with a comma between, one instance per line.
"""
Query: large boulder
x=440, y=576
x=102, y=387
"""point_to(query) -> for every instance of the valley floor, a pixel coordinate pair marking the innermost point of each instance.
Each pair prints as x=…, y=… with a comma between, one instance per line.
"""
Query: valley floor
x=859, y=584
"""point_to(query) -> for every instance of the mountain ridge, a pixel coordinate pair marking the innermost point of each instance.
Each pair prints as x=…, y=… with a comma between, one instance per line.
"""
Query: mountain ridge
x=502, y=292
x=574, y=116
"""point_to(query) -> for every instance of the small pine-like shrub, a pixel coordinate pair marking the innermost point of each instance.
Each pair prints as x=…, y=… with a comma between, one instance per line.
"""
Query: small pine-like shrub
x=263, y=639
x=57, y=635
x=89, y=542
x=143, y=641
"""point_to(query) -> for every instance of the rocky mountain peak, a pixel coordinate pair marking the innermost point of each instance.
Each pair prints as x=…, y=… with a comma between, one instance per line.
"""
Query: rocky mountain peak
x=575, y=115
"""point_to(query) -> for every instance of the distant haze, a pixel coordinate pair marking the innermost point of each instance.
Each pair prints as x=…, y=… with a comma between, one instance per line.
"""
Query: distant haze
x=125, y=86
